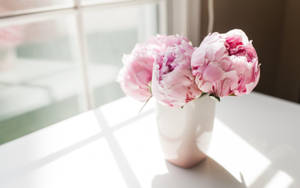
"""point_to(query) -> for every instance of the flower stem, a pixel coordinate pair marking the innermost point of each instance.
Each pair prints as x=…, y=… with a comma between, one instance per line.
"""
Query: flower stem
x=145, y=103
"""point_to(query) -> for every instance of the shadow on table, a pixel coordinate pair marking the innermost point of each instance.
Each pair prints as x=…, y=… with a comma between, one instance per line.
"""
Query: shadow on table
x=272, y=129
x=207, y=174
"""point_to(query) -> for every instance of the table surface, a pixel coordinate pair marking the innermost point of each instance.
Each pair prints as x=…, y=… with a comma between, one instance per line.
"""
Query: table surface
x=255, y=143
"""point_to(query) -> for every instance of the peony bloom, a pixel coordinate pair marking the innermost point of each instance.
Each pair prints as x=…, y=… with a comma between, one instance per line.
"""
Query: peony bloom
x=173, y=83
x=136, y=75
x=160, y=43
x=226, y=64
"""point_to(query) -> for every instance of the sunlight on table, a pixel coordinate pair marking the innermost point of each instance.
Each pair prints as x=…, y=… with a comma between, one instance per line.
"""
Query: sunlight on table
x=280, y=179
x=115, y=146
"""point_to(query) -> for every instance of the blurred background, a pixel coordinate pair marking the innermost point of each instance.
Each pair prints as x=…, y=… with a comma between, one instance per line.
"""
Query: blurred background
x=59, y=58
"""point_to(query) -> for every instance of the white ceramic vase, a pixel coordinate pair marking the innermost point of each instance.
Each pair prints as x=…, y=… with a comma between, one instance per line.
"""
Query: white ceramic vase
x=185, y=133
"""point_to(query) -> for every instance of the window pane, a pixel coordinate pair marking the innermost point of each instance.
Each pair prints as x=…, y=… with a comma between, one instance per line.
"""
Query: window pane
x=12, y=7
x=39, y=76
x=109, y=34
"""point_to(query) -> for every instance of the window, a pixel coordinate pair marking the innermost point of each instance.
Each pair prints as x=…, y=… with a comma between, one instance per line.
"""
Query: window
x=61, y=58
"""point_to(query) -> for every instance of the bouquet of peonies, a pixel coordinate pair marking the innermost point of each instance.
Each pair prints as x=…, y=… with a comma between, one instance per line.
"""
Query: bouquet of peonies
x=170, y=69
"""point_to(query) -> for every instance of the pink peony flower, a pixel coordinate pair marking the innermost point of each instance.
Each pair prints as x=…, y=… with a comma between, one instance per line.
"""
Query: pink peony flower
x=162, y=42
x=226, y=64
x=136, y=75
x=173, y=83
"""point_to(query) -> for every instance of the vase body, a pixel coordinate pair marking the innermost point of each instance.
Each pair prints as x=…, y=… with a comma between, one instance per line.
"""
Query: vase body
x=185, y=133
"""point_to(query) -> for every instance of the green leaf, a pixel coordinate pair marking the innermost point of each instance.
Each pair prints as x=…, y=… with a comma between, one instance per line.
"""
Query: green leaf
x=203, y=94
x=215, y=97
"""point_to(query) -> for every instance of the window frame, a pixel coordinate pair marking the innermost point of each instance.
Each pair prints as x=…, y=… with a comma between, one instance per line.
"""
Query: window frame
x=40, y=14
